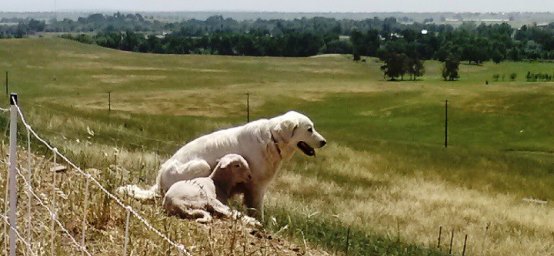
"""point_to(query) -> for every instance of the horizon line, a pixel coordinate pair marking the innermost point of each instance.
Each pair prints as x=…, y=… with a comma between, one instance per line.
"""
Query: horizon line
x=262, y=11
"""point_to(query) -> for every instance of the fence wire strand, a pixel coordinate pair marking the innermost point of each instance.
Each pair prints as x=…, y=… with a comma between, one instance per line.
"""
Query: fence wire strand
x=181, y=248
x=29, y=188
x=25, y=242
x=53, y=215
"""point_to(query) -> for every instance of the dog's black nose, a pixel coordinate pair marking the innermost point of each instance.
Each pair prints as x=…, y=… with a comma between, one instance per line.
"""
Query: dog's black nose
x=322, y=143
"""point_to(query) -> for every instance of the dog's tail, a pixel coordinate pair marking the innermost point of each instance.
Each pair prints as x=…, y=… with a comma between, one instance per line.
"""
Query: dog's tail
x=138, y=193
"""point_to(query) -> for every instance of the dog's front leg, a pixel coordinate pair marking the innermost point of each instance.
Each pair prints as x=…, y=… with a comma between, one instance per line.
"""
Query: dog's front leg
x=254, y=200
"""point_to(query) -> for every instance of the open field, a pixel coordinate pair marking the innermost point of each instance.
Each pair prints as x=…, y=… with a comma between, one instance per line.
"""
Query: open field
x=385, y=176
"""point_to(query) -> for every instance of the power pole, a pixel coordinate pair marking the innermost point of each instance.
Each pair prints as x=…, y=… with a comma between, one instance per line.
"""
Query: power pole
x=7, y=86
x=446, y=124
x=247, y=107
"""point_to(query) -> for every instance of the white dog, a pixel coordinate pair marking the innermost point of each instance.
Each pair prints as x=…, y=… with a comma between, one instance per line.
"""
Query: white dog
x=263, y=143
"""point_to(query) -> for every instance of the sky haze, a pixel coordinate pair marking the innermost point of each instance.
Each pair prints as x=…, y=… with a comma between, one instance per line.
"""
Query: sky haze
x=282, y=5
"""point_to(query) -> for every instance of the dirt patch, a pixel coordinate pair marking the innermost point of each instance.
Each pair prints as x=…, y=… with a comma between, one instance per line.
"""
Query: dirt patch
x=88, y=56
x=314, y=70
x=137, y=68
x=116, y=79
x=330, y=55
x=203, y=70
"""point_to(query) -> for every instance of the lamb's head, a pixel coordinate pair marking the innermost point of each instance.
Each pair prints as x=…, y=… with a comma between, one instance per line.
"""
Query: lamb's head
x=235, y=168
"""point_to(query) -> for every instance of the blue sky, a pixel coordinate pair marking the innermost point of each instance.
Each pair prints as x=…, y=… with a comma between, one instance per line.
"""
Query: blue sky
x=283, y=5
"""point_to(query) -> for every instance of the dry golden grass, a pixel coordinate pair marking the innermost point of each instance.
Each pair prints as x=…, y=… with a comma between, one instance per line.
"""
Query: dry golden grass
x=105, y=220
x=414, y=207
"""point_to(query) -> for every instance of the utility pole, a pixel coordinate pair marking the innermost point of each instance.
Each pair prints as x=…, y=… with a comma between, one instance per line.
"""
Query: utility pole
x=7, y=86
x=446, y=124
x=247, y=107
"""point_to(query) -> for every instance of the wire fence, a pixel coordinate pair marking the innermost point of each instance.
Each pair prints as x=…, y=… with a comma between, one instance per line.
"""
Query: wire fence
x=50, y=204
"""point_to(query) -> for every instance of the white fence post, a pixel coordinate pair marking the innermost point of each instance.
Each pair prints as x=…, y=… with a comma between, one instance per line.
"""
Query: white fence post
x=13, y=173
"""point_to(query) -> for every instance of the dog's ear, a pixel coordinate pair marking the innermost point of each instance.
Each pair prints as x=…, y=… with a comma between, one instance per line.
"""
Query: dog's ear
x=285, y=130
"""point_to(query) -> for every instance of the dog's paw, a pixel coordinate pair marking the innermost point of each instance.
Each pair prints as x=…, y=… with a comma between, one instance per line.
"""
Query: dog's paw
x=251, y=221
x=123, y=190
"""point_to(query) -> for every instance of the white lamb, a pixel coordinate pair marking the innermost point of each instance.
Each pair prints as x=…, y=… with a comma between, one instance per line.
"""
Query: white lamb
x=198, y=197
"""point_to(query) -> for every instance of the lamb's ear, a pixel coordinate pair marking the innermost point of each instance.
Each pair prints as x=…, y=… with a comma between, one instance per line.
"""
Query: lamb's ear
x=223, y=163
x=285, y=130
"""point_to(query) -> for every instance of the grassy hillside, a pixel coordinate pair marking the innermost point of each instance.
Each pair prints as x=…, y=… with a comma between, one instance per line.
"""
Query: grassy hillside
x=385, y=178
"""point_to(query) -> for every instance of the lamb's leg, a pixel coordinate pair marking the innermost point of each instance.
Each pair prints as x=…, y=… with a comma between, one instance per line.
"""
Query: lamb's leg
x=206, y=217
x=184, y=210
x=224, y=210
x=220, y=208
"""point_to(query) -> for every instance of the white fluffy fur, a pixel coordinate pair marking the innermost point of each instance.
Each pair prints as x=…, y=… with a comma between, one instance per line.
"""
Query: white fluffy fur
x=199, y=197
x=263, y=143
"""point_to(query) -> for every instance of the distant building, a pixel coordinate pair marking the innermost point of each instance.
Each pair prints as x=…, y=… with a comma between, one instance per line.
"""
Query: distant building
x=495, y=20
x=162, y=35
x=396, y=35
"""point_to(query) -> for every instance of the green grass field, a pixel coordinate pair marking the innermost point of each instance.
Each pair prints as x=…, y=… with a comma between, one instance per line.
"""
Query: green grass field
x=385, y=178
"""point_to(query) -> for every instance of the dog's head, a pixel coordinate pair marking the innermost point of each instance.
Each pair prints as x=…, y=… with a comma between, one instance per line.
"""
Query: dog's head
x=236, y=167
x=296, y=129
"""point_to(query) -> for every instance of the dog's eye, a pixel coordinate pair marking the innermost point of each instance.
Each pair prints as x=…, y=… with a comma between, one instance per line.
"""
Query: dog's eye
x=310, y=130
x=237, y=165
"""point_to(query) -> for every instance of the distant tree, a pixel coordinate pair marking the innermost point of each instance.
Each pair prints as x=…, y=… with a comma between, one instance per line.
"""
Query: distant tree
x=476, y=51
x=337, y=46
x=514, y=54
x=22, y=30
x=130, y=41
x=356, y=56
x=357, y=39
x=36, y=26
x=154, y=44
x=98, y=17
x=446, y=49
x=495, y=77
x=415, y=68
x=513, y=76
x=471, y=42
x=365, y=44
x=223, y=44
x=497, y=56
x=450, y=69
x=396, y=65
x=110, y=40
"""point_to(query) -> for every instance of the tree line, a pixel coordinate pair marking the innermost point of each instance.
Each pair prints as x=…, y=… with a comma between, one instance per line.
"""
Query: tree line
x=292, y=44
x=474, y=43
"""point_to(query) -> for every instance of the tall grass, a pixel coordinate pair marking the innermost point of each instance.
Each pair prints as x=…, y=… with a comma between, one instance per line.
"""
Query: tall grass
x=385, y=177
x=104, y=220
